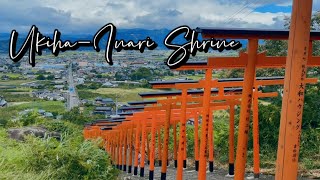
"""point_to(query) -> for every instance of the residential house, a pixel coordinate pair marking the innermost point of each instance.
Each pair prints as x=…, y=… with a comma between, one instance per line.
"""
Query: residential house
x=4, y=77
x=48, y=115
x=104, y=101
x=85, y=101
x=41, y=112
x=3, y=102
x=60, y=87
x=109, y=84
x=127, y=109
x=48, y=95
x=103, y=110
x=59, y=82
x=80, y=80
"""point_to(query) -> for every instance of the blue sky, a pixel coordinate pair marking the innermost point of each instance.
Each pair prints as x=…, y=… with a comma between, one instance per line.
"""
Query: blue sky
x=86, y=16
x=273, y=8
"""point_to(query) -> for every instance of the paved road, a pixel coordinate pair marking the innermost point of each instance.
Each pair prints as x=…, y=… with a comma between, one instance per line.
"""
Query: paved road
x=73, y=99
x=189, y=173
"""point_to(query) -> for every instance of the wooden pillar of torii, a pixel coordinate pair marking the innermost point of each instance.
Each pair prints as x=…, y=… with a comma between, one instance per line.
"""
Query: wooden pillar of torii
x=299, y=51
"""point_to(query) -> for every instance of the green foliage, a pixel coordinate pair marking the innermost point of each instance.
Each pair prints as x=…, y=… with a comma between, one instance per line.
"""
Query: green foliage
x=76, y=117
x=311, y=113
x=233, y=73
x=269, y=72
x=190, y=141
x=142, y=84
x=141, y=73
x=50, y=77
x=59, y=126
x=236, y=73
x=14, y=97
x=120, y=76
x=41, y=72
x=40, y=77
x=221, y=136
x=85, y=94
x=94, y=85
x=11, y=112
x=30, y=118
x=275, y=47
x=70, y=158
x=269, y=121
x=89, y=85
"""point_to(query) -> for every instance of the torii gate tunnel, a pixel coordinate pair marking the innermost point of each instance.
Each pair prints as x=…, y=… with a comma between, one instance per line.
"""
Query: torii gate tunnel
x=144, y=134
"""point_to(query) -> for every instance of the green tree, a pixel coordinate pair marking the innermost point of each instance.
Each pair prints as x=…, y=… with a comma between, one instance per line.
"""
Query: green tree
x=50, y=77
x=75, y=117
x=142, y=73
x=40, y=77
x=119, y=76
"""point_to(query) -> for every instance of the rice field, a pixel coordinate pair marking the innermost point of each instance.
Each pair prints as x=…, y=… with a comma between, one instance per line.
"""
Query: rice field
x=123, y=95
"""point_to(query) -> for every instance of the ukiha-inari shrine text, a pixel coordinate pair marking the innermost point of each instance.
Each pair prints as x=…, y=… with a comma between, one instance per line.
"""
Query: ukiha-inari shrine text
x=142, y=133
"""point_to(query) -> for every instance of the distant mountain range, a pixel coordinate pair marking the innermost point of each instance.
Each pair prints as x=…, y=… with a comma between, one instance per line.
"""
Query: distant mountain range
x=127, y=34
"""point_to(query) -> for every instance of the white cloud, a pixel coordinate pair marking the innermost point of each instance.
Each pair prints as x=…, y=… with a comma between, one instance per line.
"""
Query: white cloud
x=268, y=19
x=89, y=15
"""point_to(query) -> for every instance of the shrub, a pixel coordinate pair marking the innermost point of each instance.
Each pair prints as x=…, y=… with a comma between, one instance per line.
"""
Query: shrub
x=70, y=158
x=76, y=117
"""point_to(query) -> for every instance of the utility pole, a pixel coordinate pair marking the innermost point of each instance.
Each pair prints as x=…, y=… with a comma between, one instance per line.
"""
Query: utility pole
x=116, y=104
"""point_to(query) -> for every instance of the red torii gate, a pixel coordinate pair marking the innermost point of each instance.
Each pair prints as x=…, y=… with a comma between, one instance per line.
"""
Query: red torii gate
x=252, y=60
x=183, y=100
x=174, y=100
x=221, y=84
x=122, y=141
x=298, y=48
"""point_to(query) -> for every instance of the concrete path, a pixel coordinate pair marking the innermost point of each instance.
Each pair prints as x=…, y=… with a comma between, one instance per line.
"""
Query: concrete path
x=189, y=173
